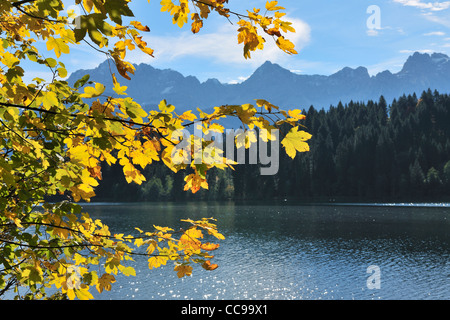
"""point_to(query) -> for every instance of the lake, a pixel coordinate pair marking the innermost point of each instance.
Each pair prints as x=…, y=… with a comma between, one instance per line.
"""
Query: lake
x=304, y=251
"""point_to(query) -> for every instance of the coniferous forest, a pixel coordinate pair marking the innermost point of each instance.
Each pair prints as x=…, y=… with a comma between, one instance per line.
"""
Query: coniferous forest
x=371, y=151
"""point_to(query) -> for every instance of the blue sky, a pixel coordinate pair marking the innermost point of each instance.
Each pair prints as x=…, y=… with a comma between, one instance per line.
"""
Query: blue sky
x=330, y=35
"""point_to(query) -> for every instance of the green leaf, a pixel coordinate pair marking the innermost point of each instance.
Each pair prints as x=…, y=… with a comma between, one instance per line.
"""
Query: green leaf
x=50, y=7
x=35, y=276
x=116, y=9
x=5, y=174
x=95, y=36
x=51, y=62
x=80, y=33
x=201, y=169
x=82, y=81
x=95, y=25
x=115, y=127
x=62, y=72
x=133, y=109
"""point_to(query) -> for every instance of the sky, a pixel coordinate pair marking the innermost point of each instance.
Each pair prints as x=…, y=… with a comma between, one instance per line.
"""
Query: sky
x=379, y=35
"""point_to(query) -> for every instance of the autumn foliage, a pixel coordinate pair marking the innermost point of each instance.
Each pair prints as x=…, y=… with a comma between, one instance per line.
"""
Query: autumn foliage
x=54, y=138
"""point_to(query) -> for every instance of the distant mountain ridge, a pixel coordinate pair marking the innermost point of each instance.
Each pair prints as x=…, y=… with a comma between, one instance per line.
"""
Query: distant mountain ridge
x=280, y=86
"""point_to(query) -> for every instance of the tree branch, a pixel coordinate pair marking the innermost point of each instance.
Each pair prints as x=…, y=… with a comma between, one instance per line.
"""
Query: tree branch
x=74, y=115
x=19, y=3
x=11, y=267
x=36, y=17
x=215, y=7
x=79, y=232
x=51, y=247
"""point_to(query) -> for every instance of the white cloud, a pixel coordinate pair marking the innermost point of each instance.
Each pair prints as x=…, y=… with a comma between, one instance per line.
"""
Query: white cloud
x=385, y=30
x=220, y=46
x=435, y=33
x=372, y=32
x=239, y=80
x=420, y=51
x=442, y=21
x=433, y=6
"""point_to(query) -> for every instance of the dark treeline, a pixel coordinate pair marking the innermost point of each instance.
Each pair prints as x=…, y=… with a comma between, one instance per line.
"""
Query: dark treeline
x=359, y=151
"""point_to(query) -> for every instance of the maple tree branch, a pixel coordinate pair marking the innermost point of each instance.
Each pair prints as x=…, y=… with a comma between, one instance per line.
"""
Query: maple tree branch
x=114, y=119
x=10, y=283
x=74, y=115
x=79, y=232
x=19, y=3
x=9, y=268
x=9, y=129
x=215, y=7
x=51, y=247
x=83, y=245
x=36, y=17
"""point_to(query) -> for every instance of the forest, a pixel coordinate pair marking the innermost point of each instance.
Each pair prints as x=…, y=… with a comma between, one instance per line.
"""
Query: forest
x=359, y=152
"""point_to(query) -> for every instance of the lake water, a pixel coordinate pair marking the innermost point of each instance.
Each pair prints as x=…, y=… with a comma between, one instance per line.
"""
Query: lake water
x=286, y=251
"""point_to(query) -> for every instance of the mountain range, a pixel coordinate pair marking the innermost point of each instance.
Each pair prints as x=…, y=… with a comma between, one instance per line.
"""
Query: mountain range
x=280, y=86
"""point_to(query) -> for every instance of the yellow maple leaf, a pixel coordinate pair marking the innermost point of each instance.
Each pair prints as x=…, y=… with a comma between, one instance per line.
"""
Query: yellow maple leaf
x=83, y=293
x=210, y=246
x=188, y=115
x=104, y=282
x=295, y=142
x=194, y=182
x=272, y=6
x=120, y=89
x=9, y=59
x=193, y=233
x=164, y=107
x=197, y=24
x=88, y=4
x=156, y=262
x=58, y=45
x=49, y=100
x=286, y=45
x=166, y=5
x=143, y=46
x=267, y=105
x=128, y=271
x=132, y=174
x=91, y=92
x=139, y=26
x=296, y=114
x=183, y=270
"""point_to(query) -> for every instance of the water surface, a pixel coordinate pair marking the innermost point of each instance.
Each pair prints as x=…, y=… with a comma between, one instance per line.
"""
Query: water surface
x=288, y=251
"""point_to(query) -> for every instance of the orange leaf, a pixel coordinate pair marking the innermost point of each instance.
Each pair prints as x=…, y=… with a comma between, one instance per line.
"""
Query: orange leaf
x=139, y=26
x=209, y=246
x=207, y=265
x=183, y=270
